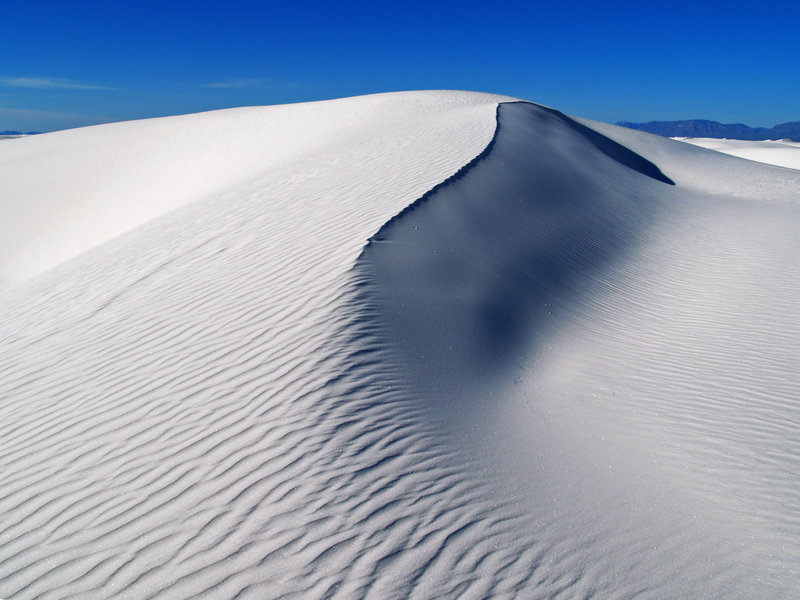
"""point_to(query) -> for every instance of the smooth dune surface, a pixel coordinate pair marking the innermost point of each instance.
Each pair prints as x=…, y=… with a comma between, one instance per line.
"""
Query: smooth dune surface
x=783, y=153
x=68, y=191
x=412, y=345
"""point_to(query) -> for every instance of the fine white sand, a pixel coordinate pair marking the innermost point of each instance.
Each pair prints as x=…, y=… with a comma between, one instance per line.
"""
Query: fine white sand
x=783, y=153
x=65, y=192
x=413, y=345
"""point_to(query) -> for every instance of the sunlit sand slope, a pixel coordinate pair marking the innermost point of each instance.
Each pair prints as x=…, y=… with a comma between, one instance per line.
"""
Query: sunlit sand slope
x=65, y=192
x=781, y=153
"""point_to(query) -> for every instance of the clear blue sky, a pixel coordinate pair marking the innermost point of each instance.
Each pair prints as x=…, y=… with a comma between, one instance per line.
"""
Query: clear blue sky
x=73, y=63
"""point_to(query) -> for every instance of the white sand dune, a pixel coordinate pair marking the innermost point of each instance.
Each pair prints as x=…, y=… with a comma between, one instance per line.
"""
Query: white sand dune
x=413, y=345
x=68, y=191
x=783, y=153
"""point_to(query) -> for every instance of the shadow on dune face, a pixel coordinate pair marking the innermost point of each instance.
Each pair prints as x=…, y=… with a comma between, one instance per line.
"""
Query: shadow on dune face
x=487, y=263
x=614, y=149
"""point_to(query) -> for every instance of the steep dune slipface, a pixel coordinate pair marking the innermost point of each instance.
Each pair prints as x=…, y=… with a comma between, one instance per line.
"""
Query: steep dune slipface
x=448, y=349
x=623, y=349
x=484, y=256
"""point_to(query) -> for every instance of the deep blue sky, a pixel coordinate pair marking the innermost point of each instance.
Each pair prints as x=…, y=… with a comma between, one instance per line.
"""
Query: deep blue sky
x=73, y=63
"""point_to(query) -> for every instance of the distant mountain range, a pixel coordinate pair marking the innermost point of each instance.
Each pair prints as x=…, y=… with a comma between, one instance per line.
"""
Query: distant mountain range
x=12, y=133
x=712, y=129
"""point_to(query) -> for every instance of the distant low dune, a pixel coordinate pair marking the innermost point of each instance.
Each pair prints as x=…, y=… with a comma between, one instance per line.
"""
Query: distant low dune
x=780, y=153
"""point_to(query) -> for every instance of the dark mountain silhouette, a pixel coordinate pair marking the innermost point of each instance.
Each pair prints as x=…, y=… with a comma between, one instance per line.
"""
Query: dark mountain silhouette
x=11, y=132
x=713, y=129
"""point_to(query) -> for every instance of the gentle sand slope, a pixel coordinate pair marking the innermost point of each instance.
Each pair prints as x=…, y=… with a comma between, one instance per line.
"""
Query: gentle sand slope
x=567, y=371
x=781, y=153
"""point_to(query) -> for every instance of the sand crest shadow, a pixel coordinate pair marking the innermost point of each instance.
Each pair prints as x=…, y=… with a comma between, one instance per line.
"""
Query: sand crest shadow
x=487, y=262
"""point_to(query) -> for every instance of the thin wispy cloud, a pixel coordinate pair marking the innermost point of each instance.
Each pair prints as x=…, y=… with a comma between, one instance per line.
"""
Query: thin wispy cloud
x=31, y=113
x=27, y=119
x=248, y=83
x=48, y=83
